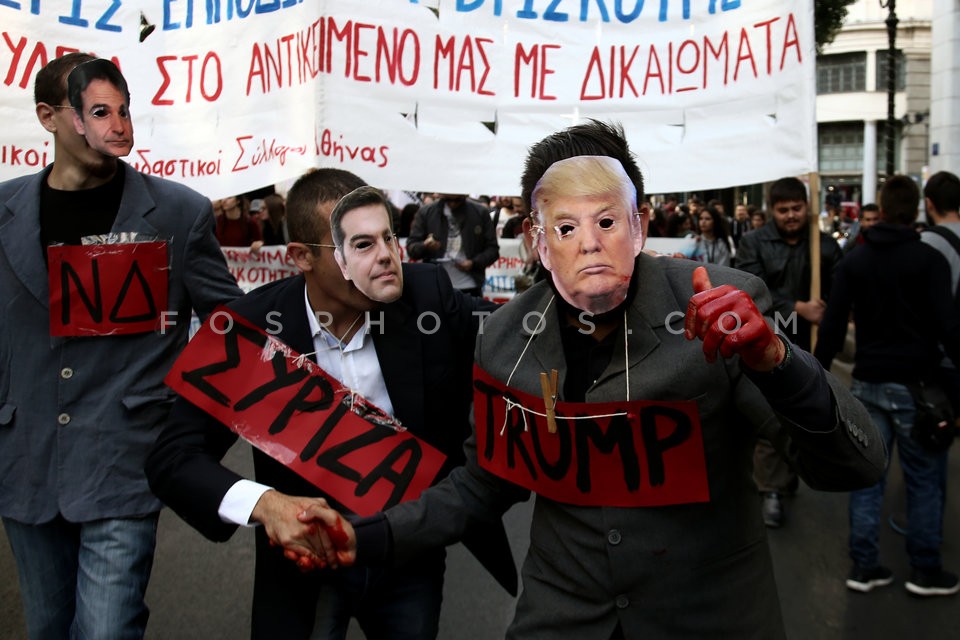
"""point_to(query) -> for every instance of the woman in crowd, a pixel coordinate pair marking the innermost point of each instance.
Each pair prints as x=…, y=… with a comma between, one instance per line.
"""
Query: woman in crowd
x=713, y=243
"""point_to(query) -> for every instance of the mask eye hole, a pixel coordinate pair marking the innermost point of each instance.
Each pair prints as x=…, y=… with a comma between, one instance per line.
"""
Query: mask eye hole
x=565, y=231
x=607, y=223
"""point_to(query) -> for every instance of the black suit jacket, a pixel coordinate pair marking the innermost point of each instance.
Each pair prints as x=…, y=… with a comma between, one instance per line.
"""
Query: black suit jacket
x=428, y=376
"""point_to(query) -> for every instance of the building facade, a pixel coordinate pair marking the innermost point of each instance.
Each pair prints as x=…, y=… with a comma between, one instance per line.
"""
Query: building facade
x=855, y=138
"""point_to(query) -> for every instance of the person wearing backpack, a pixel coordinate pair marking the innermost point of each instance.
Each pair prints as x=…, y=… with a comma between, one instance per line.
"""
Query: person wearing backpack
x=941, y=196
x=898, y=290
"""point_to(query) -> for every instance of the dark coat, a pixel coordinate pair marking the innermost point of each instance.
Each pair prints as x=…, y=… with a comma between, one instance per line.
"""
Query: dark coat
x=698, y=570
x=428, y=378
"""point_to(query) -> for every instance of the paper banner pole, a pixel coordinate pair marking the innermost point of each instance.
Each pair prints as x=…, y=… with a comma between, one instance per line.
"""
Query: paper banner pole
x=814, y=227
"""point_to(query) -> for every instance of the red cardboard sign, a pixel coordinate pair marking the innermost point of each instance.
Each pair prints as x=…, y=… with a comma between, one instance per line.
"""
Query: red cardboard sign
x=605, y=454
x=107, y=289
x=289, y=408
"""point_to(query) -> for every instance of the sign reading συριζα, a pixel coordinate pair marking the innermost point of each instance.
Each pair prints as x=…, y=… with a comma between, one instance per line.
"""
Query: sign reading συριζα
x=289, y=408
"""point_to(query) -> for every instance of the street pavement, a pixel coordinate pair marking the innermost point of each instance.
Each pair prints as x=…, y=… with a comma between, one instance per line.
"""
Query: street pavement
x=201, y=590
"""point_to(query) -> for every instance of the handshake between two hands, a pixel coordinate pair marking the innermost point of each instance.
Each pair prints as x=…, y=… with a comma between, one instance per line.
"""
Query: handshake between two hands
x=311, y=533
x=315, y=536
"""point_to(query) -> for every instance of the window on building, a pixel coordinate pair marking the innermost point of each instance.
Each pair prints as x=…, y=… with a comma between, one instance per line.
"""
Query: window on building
x=899, y=69
x=842, y=73
x=841, y=146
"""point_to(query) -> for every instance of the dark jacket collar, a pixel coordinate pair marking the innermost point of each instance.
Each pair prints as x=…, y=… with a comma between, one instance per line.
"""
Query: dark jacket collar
x=886, y=234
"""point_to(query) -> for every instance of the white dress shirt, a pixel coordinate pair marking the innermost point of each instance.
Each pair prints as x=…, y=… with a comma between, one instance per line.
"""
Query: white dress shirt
x=354, y=364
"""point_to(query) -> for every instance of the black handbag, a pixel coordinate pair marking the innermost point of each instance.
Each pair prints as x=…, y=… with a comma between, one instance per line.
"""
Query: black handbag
x=933, y=424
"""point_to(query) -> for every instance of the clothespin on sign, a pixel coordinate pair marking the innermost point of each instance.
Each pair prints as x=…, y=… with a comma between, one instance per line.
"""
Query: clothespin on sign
x=549, y=387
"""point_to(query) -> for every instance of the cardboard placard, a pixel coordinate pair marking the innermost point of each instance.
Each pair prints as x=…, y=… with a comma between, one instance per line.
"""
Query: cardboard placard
x=613, y=454
x=289, y=408
x=107, y=289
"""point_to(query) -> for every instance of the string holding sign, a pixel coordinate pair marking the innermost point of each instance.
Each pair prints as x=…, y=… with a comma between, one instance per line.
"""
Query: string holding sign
x=512, y=404
x=631, y=453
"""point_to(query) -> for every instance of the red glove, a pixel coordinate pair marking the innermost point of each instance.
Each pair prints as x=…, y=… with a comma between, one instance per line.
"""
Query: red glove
x=727, y=321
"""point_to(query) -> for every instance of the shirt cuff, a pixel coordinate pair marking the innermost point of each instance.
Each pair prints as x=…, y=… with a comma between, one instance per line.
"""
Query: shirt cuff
x=239, y=500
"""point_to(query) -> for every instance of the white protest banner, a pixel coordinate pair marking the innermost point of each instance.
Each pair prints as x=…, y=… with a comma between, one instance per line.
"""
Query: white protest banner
x=272, y=263
x=443, y=95
x=252, y=269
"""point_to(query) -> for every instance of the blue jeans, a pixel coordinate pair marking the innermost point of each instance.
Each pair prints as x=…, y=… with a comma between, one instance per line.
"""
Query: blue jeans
x=892, y=410
x=84, y=581
x=399, y=603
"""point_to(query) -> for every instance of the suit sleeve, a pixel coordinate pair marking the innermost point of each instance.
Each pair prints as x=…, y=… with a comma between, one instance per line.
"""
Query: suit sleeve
x=184, y=470
x=816, y=423
x=208, y=281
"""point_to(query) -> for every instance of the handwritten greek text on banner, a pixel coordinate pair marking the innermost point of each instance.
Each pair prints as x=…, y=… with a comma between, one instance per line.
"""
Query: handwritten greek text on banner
x=432, y=95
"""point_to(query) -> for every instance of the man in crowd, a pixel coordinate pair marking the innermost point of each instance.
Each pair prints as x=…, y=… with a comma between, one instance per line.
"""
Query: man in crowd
x=779, y=254
x=941, y=196
x=458, y=234
x=399, y=336
x=739, y=223
x=672, y=545
x=81, y=409
x=869, y=216
x=898, y=290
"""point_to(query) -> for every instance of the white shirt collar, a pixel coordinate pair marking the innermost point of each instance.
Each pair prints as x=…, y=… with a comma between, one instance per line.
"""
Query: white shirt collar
x=331, y=341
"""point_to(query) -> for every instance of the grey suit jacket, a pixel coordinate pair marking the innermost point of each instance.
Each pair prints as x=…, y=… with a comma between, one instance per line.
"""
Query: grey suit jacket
x=79, y=415
x=684, y=571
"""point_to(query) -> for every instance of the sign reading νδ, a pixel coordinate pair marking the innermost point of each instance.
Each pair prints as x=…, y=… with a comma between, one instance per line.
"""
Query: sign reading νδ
x=107, y=289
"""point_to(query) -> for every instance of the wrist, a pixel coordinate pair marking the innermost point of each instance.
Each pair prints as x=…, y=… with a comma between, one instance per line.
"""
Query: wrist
x=787, y=355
